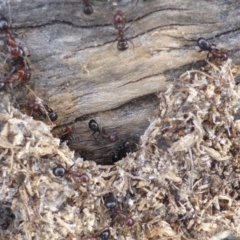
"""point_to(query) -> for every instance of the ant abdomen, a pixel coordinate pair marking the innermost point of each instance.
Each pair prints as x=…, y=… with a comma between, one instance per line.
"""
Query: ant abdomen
x=93, y=125
x=104, y=235
x=203, y=44
x=53, y=116
x=122, y=44
x=59, y=171
x=87, y=9
x=3, y=24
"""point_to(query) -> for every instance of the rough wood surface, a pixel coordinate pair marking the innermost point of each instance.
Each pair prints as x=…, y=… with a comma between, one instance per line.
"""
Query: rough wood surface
x=78, y=71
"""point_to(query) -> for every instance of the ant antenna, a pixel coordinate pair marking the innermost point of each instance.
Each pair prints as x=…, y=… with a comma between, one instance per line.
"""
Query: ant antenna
x=9, y=12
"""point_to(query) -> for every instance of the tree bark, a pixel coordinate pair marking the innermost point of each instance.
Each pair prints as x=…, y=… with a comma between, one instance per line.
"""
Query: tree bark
x=79, y=72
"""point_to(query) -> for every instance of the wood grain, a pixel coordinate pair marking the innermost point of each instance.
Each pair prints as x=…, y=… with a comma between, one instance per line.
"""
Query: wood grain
x=78, y=71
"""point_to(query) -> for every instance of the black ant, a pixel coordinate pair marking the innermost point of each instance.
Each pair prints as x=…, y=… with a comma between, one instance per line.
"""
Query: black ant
x=41, y=110
x=119, y=24
x=15, y=50
x=87, y=9
x=112, y=204
x=121, y=152
x=204, y=45
x=104, y=235
x=93, y=125
x=67, y=135
x=60, y=171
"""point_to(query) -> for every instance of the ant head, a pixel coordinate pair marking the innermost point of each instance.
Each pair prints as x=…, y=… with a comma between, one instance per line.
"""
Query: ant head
x=129, y=222
x=119, y=21
x=224, y=57
x=59, y=171
x=113, y=138
x=3, y=24
x=84, y=178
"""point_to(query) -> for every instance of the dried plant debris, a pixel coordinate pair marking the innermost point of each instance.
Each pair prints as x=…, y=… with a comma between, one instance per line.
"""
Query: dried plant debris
x=182, y=183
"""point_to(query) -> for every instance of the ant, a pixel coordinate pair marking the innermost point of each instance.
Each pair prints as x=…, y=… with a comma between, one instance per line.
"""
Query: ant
x=23, y=73
x=15, y=50
x=42, y=111
x=104, y=235
x=87, y=9
x=60, y=171
x=112, y=204
x=119, y=24
x=204, y=45
x=93, y=125
x=122, y=152
x=67, y=135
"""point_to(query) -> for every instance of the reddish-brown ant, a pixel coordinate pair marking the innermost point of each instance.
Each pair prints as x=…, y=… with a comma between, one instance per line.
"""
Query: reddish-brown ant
x=204, y=45
x=119, y=20
x=60, y=171
x=93, y=125
x=104, y=235
x=112, y=204
x=23, y=73
x=15, y=50
x=42, y=110
x=119, y=24
x=87, y=9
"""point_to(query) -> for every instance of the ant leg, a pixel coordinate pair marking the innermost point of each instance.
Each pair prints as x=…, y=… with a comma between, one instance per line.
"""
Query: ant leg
x=208, y=55
x=71, y=166
x=94, y=132
x=132, y=44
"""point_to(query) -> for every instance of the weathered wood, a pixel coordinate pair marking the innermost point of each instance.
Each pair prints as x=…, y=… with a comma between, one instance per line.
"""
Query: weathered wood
x=78, y=71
